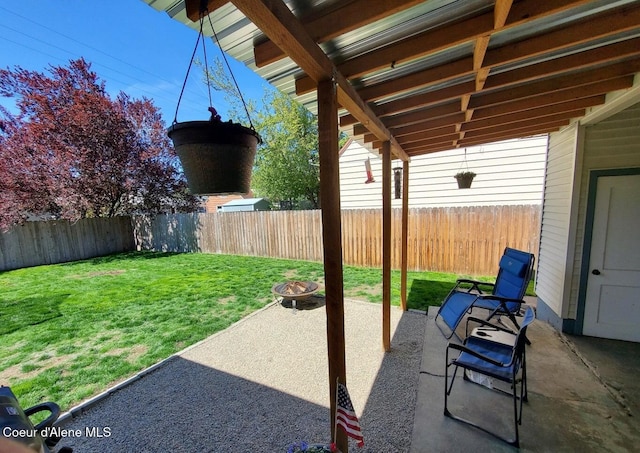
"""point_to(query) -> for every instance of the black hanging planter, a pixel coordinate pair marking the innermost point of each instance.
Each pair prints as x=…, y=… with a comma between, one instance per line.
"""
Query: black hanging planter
x=217, y=157
x=464, y=179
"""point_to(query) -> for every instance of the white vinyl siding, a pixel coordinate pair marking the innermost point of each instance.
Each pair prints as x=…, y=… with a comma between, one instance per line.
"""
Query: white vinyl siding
x=508, y=173
x=609, y=144
x=612, y=143
x=556, y=209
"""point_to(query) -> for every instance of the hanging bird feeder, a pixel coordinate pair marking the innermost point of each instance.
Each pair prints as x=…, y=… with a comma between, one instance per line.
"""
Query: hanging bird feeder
x=397, y=182
x=217, y=157
x=367, y=167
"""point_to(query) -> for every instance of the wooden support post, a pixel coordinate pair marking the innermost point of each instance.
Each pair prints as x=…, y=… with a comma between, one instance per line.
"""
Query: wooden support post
x=386, y=246
x=405, y=230
x=332, y=240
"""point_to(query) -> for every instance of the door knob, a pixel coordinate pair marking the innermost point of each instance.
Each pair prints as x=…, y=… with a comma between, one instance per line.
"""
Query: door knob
x=595, y=272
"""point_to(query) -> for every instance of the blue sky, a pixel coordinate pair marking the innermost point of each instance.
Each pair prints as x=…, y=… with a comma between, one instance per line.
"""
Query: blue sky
x=131, y=46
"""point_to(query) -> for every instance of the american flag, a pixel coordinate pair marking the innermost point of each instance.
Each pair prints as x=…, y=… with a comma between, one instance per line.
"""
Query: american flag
x=346, y=416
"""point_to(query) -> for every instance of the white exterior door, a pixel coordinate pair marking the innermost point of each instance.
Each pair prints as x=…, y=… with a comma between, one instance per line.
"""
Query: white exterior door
x=612, y=306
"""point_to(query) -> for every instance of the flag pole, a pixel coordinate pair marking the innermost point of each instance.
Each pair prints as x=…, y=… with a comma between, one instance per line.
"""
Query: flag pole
x=335, y=418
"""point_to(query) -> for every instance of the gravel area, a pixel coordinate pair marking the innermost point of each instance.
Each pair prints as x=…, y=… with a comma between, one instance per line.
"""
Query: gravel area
x=261, y=385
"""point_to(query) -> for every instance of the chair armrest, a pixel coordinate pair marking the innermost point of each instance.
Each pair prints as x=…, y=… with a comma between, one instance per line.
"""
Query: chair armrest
x=503, y=301
x=470, y=351
x=500, y=298
x=475, y=284
x=484, y=322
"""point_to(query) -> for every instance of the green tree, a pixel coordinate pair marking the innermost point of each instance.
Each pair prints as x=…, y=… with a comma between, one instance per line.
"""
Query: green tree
x=287, y=164
x=286, y=168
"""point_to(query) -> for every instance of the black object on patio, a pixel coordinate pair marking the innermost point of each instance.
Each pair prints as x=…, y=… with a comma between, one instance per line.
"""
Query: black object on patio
x=16, y=425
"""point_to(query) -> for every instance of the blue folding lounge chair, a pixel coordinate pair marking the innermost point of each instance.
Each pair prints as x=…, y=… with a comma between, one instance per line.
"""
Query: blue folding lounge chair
x=505, y=362
x=515, y=270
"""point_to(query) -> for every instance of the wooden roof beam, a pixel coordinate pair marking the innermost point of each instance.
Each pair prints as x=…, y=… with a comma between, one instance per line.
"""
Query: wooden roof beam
x=532, y=115
x=592, y=81
x=521, y=123
x=576, y=98
x=409, y=140
x=600, y=55
x=580, y=97
x=536, y=104
x=556, y=83
x=435, y=40
x=423, y=123
x=439, y=110
x=416, y=116
x=596, y=89
x=333, y=20
x=426, y=134
x=275, y=19
x=423, y=100
x=600, y=26
x=506, y=135
x=581, y=60
x=449, y=71
x=427, y=125
x=500, y=12
x=431, y=141
x=526, y=130
x=516, y=134
x=508, y=93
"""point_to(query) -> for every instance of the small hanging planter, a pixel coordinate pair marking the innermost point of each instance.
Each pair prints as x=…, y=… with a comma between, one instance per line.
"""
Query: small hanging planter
x=464, y=179
x=217, y=157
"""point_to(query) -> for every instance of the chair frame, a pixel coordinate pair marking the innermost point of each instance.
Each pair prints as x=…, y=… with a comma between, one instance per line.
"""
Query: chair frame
x=496, y=304
x=514, y=362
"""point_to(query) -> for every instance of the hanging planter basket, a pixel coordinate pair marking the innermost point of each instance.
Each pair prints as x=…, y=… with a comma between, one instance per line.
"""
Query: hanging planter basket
x=464, y=179
x=217, y=157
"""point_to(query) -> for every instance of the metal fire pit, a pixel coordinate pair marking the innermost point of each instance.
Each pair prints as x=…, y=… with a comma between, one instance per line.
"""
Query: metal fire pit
x=295, y=291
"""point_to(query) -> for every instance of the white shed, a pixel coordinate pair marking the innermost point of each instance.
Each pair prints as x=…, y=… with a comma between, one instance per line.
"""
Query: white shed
x=246, y=204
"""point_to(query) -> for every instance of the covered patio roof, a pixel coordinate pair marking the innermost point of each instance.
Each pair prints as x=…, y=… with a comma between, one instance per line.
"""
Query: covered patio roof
x=413, y=77
x=439, y=74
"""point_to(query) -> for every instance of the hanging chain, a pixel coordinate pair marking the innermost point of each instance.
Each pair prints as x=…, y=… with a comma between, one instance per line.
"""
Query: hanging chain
x=464, y=161
x=184, y=84
x=214, y=115
x=224, y=57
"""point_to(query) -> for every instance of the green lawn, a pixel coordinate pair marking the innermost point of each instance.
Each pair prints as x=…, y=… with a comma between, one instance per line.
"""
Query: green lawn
x=69, y=331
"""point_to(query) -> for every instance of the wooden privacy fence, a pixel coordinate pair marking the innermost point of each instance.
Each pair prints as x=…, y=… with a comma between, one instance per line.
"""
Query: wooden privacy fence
x=462, y=240
x=36, y=243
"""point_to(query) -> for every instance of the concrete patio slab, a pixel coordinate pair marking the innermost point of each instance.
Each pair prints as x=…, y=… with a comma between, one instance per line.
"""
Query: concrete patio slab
x=569, y=408
x=262, y=384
